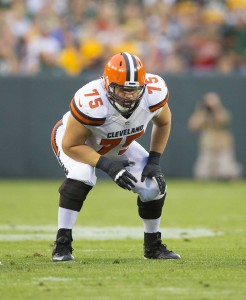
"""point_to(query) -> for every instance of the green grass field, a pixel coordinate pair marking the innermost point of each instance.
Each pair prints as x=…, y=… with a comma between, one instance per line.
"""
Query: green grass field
x=212, y=267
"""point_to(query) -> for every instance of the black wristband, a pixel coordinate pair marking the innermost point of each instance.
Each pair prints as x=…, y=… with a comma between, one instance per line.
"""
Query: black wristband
x=103, y=164
x=154, y=157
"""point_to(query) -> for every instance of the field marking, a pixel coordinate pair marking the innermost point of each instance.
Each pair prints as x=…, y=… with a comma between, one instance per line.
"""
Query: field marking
x=52, y=278
x=48, y=232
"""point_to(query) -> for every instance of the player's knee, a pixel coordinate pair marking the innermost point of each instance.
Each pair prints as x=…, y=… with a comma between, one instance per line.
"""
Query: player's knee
x=147, y=195
x=151, y=209
x=73, y=194
x=149, y=190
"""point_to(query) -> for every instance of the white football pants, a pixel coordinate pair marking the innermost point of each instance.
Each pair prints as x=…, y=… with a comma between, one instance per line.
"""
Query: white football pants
x=147, y=190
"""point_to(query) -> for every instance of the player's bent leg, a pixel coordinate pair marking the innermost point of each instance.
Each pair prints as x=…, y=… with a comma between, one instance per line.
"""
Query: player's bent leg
x=72, y=196
x=150, y=212
x=73, y=193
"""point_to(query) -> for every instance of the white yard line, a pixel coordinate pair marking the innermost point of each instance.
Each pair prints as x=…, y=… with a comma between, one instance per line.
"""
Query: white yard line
x=47, y=232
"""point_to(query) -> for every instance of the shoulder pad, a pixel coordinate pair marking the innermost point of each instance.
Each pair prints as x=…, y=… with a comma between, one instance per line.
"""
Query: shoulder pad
x=157, y=92
x=88, y=105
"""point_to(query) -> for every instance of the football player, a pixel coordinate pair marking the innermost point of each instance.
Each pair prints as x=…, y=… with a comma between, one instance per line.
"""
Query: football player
x=100, y=130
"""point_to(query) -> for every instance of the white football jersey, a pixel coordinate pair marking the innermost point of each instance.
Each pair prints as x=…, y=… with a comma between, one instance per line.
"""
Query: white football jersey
x=111, y=132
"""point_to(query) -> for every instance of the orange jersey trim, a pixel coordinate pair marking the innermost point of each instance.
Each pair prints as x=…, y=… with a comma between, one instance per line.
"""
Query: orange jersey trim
x=159, y=105
x=53, y=136
x=84, y=119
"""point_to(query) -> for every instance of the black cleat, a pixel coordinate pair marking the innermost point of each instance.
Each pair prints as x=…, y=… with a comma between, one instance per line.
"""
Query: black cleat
x=62, y=250
x=154, y=249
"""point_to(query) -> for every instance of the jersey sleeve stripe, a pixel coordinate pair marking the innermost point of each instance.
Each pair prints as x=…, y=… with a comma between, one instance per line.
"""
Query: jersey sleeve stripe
x=53, y=137
x=84, y=119
x=159, y=105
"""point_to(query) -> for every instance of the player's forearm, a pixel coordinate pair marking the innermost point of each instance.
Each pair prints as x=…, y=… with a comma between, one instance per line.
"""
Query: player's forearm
x=159, y=137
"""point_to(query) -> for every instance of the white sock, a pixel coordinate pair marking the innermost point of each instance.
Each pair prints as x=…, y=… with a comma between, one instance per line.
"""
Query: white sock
x=66, y=218
x=151, y=225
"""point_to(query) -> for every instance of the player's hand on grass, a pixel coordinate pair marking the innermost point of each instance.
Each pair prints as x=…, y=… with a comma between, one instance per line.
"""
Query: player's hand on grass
x=153, y=170
x=116, y=169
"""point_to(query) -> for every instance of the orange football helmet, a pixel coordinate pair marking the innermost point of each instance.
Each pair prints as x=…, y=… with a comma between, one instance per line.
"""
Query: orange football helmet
x=124, y=76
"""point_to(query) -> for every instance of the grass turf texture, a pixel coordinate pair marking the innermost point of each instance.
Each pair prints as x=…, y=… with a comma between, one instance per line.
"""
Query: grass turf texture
x=210, y=268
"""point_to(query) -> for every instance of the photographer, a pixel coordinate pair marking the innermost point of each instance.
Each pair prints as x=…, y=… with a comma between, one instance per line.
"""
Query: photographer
x=216, y=157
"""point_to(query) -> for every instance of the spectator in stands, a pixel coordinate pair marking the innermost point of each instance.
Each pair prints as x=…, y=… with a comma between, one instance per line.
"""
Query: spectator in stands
x=216, y=153
x=174, y=36
x=70, y=57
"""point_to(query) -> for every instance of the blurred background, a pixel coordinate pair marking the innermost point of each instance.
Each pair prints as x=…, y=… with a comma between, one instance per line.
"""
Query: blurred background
x=50, y=48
